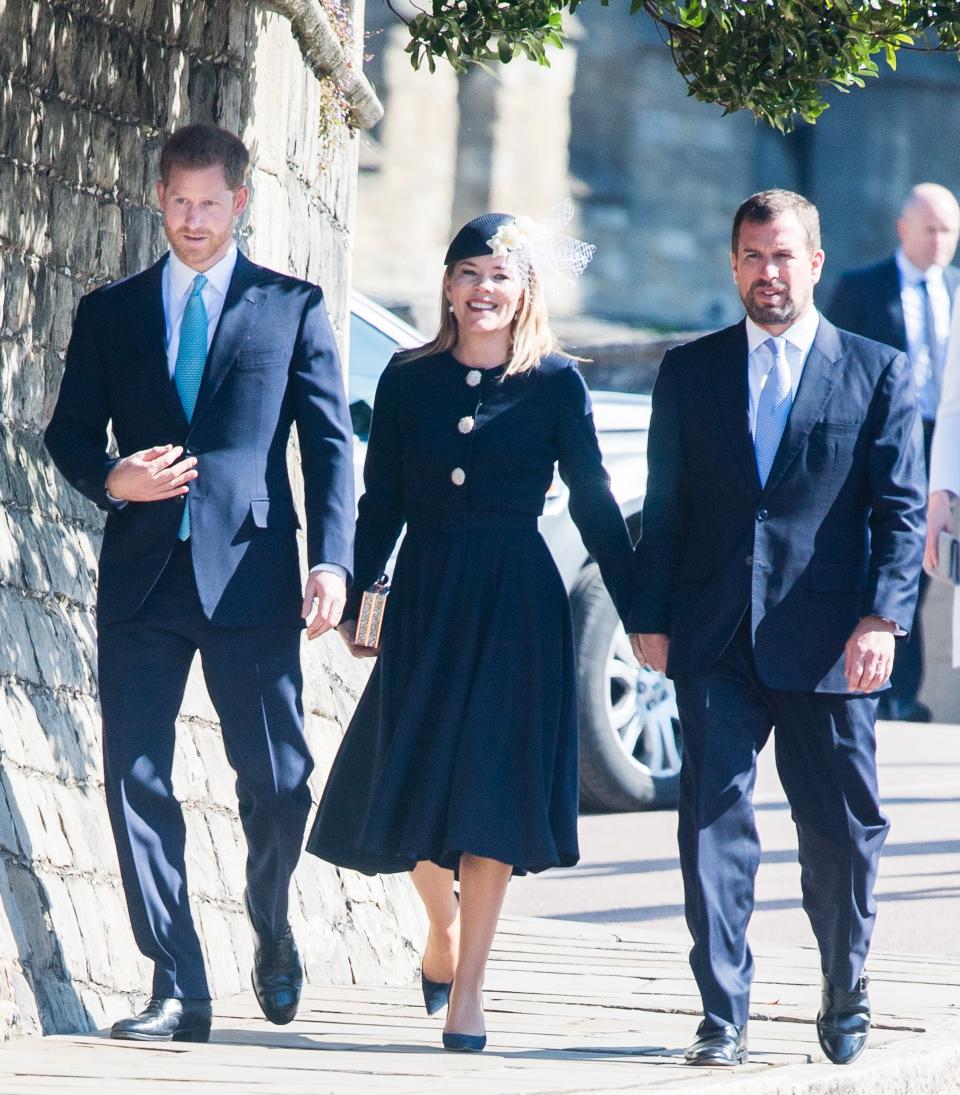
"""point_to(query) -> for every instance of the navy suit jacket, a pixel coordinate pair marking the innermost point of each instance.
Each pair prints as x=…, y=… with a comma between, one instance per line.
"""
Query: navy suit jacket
x=273, y=362
x=836, y=534
x=868, y=303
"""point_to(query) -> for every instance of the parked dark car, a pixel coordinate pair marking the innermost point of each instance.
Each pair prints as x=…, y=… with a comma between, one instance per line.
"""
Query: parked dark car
x=629, y=730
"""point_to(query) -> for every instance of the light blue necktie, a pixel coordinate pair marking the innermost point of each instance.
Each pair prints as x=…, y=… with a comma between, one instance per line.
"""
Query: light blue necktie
x=928, y=371
x=188, y=372
x=773, y=408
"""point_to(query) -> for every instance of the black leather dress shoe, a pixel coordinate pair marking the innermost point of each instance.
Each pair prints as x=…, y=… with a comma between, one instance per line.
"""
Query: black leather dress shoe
x=277, y=976
x=715, y=1046
x=843, y=1024
x=166, y=1019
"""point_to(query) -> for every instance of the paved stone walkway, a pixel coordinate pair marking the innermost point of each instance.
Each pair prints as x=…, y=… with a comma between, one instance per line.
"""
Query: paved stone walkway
x=571, y=1008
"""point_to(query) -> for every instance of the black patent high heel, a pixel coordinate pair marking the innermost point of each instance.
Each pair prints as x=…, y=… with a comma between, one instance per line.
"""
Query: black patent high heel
x=464, y=1043
x=436, y=994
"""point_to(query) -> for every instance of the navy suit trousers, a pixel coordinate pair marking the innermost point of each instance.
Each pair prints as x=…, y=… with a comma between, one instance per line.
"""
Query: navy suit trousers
x=826, y=757
x=254, y=680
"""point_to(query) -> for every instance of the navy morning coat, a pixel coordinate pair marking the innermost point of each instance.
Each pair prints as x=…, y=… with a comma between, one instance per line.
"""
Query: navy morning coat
x=836, y=533
x=273, y=362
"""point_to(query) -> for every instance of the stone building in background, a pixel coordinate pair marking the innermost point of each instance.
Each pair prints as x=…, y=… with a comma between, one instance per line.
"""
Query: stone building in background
x=88, y=90
x=656, y=175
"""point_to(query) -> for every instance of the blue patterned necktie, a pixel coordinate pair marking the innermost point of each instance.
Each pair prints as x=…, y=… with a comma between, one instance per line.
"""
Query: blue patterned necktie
x=773, y=408
x=191, y=358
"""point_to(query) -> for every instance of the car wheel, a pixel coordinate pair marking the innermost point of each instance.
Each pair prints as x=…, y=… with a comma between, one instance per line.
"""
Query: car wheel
x=630, y=750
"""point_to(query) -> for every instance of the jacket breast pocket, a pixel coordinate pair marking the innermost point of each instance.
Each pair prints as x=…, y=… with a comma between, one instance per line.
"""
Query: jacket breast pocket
x=260, y=359
x=267, y=514
x=838, y=577
x=830, y=447
x=837, y=429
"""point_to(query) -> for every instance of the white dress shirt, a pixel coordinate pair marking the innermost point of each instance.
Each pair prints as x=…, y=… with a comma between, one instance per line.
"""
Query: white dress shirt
x=914, y=320
x=799, y=338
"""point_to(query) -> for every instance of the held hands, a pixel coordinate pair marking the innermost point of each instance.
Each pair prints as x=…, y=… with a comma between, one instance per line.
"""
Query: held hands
x=152, y=475
x=938, y=520
x=868, y=655
x=651, y=650
x=348, y=632
x=329, y=592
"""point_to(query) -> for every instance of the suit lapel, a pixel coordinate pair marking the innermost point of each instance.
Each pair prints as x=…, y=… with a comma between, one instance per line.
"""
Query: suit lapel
x=820, y=373
x=148, y=326
x=733, y=401
x=893, y=304
x=239, y=309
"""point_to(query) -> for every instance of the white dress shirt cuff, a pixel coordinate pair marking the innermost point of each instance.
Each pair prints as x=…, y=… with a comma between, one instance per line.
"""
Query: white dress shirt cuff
x=330, y=568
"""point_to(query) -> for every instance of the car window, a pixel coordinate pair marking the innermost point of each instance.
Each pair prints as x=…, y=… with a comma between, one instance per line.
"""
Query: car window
x=370, y=350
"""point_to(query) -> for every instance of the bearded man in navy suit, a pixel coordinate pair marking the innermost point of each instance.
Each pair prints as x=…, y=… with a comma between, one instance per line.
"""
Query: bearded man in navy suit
x=782, y=539
x=201, y=364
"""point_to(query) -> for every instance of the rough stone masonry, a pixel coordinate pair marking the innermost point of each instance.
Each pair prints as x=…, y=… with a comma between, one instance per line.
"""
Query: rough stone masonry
x=88, y=89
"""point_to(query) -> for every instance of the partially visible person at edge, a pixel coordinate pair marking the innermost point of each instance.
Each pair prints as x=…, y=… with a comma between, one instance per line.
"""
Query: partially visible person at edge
x=782, y=537
x=201, y=364
x=945, y=468
x=906, y=301
x=461, y=758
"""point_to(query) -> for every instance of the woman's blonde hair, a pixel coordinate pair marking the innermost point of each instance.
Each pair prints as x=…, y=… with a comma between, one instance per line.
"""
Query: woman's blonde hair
x=531, y=339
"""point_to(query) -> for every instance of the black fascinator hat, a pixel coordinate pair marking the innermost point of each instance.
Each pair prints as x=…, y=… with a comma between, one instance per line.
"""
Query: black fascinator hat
x=471, y=240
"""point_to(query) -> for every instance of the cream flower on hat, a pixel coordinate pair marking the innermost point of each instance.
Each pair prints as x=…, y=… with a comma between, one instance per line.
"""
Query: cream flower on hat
x=511, y=237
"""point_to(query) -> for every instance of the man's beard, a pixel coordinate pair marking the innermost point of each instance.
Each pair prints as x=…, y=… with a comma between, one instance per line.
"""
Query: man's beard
x=768, y=315
x=212, y=242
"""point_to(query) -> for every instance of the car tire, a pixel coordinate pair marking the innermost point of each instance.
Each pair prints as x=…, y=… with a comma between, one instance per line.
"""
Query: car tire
x=619, y=703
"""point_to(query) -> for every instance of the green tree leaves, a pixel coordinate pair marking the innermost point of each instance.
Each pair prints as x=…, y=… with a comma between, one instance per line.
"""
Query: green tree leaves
x=775, y=58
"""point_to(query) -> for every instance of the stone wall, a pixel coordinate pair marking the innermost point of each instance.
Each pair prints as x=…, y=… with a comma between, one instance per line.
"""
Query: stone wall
x=88, y=89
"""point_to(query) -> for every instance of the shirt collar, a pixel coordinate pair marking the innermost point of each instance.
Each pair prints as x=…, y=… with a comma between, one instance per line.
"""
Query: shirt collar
x=800, y=335
x=218, y=276
x=913, y=275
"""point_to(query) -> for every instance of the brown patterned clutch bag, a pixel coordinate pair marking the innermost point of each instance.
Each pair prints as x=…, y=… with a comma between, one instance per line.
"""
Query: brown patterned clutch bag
x=372, y=606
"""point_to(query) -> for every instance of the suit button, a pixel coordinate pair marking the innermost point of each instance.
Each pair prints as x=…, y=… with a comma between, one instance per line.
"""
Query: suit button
x=762, y=515
x=458, y=477
x=465, y=425
x=474, y=377
x=749, y=560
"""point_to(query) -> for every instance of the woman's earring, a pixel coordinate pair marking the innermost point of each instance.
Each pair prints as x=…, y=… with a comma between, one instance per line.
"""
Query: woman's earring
x=450, y=308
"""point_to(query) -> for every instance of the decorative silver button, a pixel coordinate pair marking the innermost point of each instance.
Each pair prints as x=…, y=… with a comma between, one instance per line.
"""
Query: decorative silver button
x=458, y=477
x=473, y=377
x=465, y=425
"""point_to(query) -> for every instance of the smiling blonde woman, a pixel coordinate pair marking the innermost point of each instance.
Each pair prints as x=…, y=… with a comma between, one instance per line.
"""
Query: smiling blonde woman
x=462, y=755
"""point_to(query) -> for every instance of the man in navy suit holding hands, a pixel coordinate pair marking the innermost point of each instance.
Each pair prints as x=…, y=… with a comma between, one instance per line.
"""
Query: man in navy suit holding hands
x=782, y=538
x=201, y=364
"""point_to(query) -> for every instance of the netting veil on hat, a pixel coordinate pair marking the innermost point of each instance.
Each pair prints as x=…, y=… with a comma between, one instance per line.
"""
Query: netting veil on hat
x=537, y=245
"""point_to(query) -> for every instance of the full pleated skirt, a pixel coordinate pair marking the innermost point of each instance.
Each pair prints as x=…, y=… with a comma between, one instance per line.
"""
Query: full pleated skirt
x=465, y=738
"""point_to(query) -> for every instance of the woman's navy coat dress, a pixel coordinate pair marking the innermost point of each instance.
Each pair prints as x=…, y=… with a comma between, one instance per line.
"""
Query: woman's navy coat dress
x=465, y=738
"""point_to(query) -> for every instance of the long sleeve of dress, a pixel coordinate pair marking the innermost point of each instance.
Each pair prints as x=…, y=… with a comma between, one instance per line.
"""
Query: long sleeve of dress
x=380, y=512
x=593, y=508
x=945, y=450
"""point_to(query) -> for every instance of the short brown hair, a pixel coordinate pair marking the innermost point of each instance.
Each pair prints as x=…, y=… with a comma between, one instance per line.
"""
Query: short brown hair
x=767, y=205
x=202, y=145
